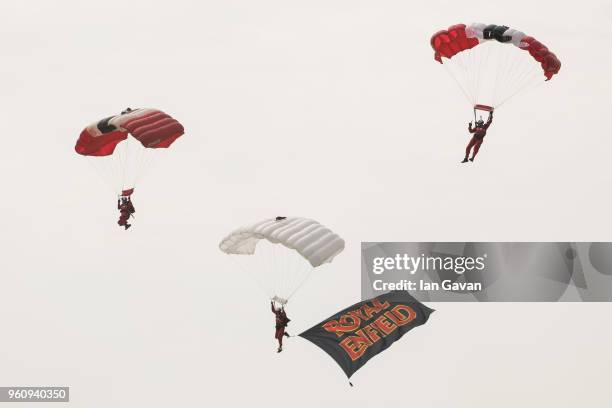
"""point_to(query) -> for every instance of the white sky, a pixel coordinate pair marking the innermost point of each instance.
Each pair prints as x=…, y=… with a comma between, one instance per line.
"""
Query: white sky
x=333, y=110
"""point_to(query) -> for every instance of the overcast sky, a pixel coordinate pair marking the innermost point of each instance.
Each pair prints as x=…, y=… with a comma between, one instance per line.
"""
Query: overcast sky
x=333, y=110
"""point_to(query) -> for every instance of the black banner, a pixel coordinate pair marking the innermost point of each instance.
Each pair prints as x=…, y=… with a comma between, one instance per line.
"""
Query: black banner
x=356, y=334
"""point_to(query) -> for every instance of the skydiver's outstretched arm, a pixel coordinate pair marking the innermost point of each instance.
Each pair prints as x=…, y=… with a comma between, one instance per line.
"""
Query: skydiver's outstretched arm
x=490, y=120
x=470, y=128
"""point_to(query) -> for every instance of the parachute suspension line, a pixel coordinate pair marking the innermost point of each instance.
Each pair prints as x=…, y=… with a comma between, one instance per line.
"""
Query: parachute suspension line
x=461, y=74
x=511, y=81
x=297, y=280
x=115, y=173
x=472, y=59
x=306, y=278
x=288, y=271
x=143, y=163
x=502, y=66
x=468, y=74
x=112, y=169
x=105, y=168
x=123, y=160
x=529, y=76
x=148, y=159
x=484, y=60
x=266, y=265
x=251, y=276
x=127, y=165
x=117, y=169
x=254, y=270
x=306, y=270
x=515, y=71
x=278, y=277
x=133, y=161
x=274, y=267
x=139, y=166
x=470, y=83
x=472, y=79
x=117, y=166
x=291, y=275
x=522, y=63
x=452, y=75
x=530, y=82
x=521, y=78
x=520, y=73
x=476, y=57
x=513, y=68
x=100, y=172
x=509, y=69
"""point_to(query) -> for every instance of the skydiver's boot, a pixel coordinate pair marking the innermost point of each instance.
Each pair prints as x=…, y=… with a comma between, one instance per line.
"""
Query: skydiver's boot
x=279, y=349
x=127, y=226
x=472, y=159
x=465, y=160
x=286, y=334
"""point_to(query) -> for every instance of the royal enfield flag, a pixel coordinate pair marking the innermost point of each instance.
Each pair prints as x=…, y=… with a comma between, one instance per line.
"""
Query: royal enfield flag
x=356, y=334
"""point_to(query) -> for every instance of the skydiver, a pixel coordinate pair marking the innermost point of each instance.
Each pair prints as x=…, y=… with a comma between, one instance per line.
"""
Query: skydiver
x=281, y=322
x=479, y=131
x=126, y=209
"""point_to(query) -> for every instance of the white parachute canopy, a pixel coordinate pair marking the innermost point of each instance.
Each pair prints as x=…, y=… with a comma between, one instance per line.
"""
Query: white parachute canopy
x=280, y=253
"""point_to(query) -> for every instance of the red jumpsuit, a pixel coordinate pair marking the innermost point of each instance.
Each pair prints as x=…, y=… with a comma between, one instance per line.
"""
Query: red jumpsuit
x=281, y=322
x=126, y=209
x=479, y=133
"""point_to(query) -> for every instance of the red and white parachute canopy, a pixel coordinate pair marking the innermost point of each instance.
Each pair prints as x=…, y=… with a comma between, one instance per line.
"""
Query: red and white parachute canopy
x=122, y=167
x=492, y=63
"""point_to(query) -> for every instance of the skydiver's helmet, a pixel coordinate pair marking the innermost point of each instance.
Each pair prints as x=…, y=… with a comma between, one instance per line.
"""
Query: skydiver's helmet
x=480, y=123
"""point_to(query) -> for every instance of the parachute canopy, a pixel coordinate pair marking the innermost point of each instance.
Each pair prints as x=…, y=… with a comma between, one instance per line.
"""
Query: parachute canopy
x=280, y=253
x=479, y=50
x=153, y=128
x=316, y=243
x=356, y=334
x=121, y=159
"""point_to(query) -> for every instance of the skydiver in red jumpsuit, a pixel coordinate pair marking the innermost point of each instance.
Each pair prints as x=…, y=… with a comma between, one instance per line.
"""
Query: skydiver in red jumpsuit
x=479, y=131
x=281, y=322
x=126, y=209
